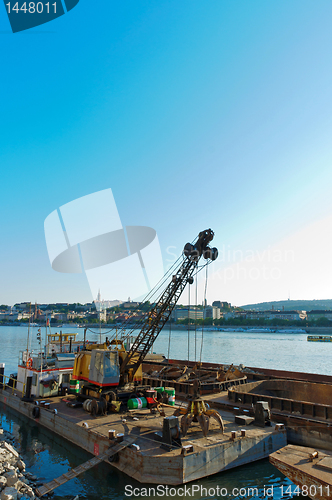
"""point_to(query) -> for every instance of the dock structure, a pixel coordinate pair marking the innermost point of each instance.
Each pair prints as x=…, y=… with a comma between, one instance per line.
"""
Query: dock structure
x=309, y=468
x=147, y=459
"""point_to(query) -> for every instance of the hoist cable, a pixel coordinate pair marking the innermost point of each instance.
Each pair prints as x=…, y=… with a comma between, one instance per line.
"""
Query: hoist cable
x=196, y=321
x=169, y=338
x=204, y=306
x=188, y=321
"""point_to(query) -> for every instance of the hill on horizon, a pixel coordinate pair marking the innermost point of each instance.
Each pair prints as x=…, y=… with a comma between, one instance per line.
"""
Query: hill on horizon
x=291, y=305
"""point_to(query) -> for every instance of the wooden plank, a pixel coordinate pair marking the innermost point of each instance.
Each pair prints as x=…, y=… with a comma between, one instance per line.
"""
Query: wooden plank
x=67, y=476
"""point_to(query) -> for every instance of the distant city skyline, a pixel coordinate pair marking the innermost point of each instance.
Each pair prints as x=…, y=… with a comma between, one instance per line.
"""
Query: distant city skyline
x=197, y=115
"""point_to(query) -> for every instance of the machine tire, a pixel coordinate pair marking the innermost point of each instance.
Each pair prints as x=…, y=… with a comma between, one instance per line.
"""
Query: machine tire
x=36, y=412
x=112, y=396
x=114, y=458
x=103, y=406
x=94, y=408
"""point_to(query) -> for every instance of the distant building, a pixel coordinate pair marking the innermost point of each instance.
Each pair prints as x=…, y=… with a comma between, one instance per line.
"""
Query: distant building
x=235, y=315
x=287, y=315
x=314, y=315
x=60, y=316
x=211, y=312
x=74, y=315
x=14, y=316
x=22, y=306
x=192, y=312
x=102, y=315
x=129, y=305
x=221, y=305
x=102, y=304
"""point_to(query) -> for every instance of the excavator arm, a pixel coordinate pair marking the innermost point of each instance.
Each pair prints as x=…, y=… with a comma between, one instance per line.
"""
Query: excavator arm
x=162, y=309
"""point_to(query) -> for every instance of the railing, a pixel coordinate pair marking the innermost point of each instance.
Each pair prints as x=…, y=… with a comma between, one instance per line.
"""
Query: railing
x=10, y=383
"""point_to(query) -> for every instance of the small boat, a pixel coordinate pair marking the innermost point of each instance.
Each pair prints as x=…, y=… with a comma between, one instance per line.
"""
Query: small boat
x=319, y=338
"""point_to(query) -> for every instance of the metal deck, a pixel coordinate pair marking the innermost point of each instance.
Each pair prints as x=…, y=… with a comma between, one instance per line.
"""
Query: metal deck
x=309, y=468
x=148, y=461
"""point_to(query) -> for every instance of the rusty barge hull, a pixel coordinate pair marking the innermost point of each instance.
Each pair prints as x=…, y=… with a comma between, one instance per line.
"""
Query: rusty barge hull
x=300, y=405
x=147, y=461
x=310, y=469
x=253, y=373
x=291, y=396
x=185, y=388
x=306, y=415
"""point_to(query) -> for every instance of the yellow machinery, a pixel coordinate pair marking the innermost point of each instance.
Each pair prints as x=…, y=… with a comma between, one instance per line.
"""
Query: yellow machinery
x=98, y=365
x=111, y=372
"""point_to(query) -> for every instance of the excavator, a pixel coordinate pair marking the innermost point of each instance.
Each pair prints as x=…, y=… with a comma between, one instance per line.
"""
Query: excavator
x=109, y=371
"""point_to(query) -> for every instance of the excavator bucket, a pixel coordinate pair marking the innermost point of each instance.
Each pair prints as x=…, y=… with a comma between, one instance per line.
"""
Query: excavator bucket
x=204, y=423
x=214, y=414
x=185, y=423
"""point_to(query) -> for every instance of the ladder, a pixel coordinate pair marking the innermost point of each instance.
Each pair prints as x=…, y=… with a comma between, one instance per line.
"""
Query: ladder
x=47, y=487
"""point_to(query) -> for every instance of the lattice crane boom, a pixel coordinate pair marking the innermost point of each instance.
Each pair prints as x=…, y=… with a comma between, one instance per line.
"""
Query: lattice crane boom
x=162, y=309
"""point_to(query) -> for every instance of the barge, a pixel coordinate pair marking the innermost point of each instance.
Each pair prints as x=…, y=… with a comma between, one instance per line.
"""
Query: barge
x=319, y=338
x=304, y=407
x=158, y=447
x=309, y=468
x=49, y=371
x=149, y=458
x=301, y=401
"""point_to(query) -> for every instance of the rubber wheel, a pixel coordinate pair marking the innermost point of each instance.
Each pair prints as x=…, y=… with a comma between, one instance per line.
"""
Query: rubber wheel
x=112, y=396
x=36, y=412
x=94, y=408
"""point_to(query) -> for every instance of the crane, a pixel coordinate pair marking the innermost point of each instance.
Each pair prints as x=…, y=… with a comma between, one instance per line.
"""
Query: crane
x=104, y=370
x=161, y=311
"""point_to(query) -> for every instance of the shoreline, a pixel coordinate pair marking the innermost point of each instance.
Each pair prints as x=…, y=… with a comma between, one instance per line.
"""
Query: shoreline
x=219, y=328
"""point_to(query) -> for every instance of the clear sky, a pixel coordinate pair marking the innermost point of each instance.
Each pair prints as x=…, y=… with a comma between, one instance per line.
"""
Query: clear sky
x=196, y=114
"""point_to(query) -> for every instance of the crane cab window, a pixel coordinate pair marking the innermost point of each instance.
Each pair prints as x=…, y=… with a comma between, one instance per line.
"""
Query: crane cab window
x=104, y=367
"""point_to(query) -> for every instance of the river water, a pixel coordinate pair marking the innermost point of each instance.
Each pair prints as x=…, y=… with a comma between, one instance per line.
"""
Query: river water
x=48, y=456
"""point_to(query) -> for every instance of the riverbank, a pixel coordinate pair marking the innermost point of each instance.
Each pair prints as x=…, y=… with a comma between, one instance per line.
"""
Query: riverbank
x=15, y=482
x=320, y=330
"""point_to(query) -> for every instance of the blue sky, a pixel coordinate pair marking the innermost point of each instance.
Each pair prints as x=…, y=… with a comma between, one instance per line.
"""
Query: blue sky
x=197, y=114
